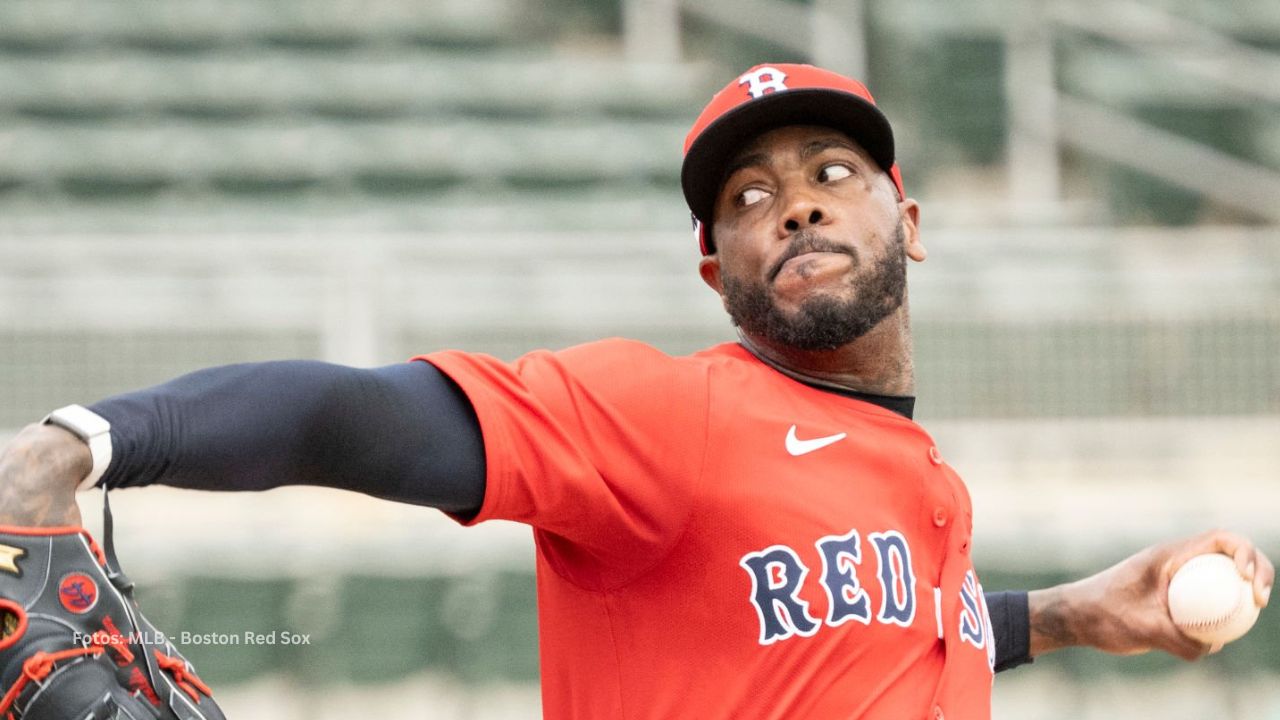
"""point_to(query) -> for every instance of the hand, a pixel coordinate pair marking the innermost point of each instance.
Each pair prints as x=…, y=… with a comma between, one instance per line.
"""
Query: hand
x=1125, y=609
x=39, y=471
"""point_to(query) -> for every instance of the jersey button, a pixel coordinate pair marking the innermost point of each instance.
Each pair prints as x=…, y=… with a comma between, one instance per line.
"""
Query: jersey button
x=935, y=457
x=940, y=516
x=937, y=713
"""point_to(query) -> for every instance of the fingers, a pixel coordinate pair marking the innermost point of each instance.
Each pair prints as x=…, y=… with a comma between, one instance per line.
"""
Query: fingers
x=1253, y=565
x=1264, y=578
x=1251, y=562
x=1237, y=546
x=1185, y=647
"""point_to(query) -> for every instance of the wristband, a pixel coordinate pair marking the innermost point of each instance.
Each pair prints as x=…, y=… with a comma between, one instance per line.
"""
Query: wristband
x=94, y=430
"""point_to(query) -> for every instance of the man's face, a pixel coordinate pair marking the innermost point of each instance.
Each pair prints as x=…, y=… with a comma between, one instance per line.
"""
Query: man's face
x=811, y=240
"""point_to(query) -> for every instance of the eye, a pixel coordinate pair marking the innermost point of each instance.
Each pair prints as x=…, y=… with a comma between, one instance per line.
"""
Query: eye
x=833, y=172
x=751, y=196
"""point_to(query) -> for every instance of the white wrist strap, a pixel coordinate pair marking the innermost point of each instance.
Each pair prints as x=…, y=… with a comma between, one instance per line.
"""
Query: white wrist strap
x=94, y=430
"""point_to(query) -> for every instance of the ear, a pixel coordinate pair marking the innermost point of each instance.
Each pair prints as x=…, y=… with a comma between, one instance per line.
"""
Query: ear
x=909, y=211
x=709, y=269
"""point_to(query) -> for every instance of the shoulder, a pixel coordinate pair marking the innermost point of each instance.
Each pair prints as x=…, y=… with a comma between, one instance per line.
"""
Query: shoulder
x=617, y=361
x=628, y=375
x=634, y=352
x=609, y=368
x=616, y=350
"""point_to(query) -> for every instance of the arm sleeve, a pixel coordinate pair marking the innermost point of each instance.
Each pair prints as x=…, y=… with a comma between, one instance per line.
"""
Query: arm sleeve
x=403, y=432
x=1011, y=623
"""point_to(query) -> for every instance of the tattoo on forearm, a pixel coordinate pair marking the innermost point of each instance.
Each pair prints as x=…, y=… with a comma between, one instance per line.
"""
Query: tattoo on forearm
x=33, y=490
x=1052, y=623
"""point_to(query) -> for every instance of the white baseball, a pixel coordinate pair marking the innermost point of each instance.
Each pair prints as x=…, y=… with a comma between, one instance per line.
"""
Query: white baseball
x=1210, y=601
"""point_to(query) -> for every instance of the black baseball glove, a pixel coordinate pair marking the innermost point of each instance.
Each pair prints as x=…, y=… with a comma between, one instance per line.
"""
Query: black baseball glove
x=73, y=643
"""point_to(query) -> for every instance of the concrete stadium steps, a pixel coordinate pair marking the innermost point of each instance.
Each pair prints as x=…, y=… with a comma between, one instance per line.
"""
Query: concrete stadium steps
x=1173, y=98
x=230, y=87
x=468, y=208
x=215, y=102
x=1257, y=20
x=265, y=156
x=1178, y=98
x=192, y=25
x=1122, y=78
x=1269, y=143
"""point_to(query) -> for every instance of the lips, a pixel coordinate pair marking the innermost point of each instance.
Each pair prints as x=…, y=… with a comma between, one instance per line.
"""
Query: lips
x=804, y=256
x=800, y=250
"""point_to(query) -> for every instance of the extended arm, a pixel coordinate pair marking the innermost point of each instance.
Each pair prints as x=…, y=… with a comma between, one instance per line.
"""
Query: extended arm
x=403, y=432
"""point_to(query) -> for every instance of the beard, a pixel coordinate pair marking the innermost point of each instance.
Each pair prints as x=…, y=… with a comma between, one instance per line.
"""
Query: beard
x=823, y=321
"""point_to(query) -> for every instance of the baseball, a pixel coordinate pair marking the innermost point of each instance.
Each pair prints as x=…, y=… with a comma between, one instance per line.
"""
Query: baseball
x=1210, y=601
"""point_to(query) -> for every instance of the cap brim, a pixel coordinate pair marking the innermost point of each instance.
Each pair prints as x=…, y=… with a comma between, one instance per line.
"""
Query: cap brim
x=704, y=164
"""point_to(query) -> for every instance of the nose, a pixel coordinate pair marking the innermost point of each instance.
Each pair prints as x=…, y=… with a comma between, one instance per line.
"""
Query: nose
x=801, y=211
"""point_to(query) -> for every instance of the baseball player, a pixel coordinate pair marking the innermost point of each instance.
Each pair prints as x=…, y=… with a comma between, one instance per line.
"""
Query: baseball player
x=758, y=530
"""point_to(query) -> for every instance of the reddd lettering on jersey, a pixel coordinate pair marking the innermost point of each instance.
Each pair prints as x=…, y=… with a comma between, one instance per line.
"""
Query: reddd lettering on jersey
x=778, y=576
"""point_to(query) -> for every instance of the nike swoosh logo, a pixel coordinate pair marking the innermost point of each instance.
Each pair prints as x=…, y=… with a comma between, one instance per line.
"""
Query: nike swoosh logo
x=798, y=447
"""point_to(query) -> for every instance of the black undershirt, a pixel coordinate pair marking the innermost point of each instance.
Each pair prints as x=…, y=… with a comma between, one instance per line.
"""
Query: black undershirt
x=403, y=432
x=904, y=405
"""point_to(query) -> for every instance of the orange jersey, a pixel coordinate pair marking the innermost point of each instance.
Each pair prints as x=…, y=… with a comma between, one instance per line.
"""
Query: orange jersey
x=717, y=540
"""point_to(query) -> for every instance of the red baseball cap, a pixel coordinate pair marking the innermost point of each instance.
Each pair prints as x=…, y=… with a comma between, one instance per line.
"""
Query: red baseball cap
x=768, y=97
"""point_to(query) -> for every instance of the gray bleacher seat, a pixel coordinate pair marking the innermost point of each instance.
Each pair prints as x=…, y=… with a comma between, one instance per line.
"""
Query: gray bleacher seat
x=196, y=155
x=1256, y=21
x=1167, y=99
x=372, y=83
x=196, y=24
x=1124, y=78
x=1267, y=139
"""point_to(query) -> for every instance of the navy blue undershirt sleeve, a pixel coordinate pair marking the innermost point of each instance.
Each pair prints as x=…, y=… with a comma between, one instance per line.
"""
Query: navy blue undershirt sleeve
x=1011, y=625
x=404, y=432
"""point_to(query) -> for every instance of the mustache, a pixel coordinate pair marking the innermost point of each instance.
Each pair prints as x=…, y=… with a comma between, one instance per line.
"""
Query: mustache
x=807, y=241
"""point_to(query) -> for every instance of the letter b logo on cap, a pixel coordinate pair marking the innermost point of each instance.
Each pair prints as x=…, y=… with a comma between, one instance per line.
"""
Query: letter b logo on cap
x=763, y=80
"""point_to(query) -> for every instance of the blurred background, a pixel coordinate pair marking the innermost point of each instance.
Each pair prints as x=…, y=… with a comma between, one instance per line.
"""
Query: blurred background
x=194, y=182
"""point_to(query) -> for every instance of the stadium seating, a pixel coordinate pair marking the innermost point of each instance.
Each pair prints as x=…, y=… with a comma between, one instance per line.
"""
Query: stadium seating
x=195, y=182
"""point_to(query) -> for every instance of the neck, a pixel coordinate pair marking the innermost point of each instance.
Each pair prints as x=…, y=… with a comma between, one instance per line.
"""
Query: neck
x=878, y=363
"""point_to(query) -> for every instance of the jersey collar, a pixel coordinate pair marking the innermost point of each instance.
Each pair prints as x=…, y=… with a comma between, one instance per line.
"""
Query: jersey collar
x=903, y=405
